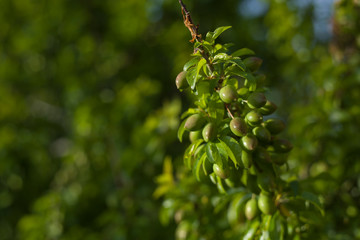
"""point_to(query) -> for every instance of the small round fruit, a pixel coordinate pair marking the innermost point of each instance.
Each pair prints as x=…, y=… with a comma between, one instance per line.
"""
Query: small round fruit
x=228, y=94
x=238, y=127
x=249, y=142
x=209, y=132
x=194, y=122
x=254, y=118
x=221, y=172
x=195, y=135
x=251, y=209
x=243, y=92
x=268, y=108
x=262, y=134
x=256, y=100
x=275, y=126
x=266, y=203
x=282, y=145
x=181, y=82
x=253, y=63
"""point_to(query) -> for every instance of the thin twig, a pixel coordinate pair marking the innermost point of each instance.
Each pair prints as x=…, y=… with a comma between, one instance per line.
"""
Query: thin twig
x=195, y=34
x=227, y=108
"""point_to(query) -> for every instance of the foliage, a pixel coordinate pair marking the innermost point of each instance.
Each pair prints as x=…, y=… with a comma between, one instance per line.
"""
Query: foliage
x=89, y=116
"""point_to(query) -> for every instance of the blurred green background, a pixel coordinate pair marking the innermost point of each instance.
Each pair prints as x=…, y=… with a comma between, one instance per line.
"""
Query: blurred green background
x=89, y=108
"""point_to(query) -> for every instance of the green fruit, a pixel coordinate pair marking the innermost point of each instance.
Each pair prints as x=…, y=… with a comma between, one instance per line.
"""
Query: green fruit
x=209, y=132
x=282, y=145
x=275, y=126
x=268, y=108
x=253, y=63
x=266, y=203
x=251, y=209
x=243, y=92
x=262, y=134
x=194, y=122
x=228, y=94
x=256, y=100
x=195, y=135
x=220, y=171
x=238, y=127
x=249, y=142
x=181, y=82
x=253, y=118
x=246, y=158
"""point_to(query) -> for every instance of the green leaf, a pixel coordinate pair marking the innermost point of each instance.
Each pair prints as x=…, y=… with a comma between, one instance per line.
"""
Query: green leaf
x=251, y=232
x=238, y=63
x=219, y=31
x=216, y=109
x=181, y=130
x=312, y=198
x=250, y=82
x=191, y=63
x=233, y=148
x=189, y=112
x=222, y=56
x=201, y=63
x=213, y=154
x=243, y=52
x=190, y=151
x=191, y=77
x=209, y=37
x=199, y=163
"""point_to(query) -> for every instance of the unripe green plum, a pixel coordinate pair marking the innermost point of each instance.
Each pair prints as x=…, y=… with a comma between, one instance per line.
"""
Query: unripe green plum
x=256, y=100
x=251, y=209
x=262, y=134
x=243, y=92
x=238, y=127
x=282, y=145
x=253, y=63
x=195, y=135
x=181, y=82
x=222, y=172
x=249, y=142
x=266, y=203
x=253, y=118
x=275, y=126
x=268, y=108
x=194, y=122
x=209, y=132
x=228, y=94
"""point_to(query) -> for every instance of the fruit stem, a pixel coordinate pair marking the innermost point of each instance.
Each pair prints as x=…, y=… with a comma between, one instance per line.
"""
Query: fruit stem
x=227, y=108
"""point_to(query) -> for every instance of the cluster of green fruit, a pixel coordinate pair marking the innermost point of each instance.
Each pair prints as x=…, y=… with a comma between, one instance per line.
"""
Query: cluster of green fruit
x=233, y=141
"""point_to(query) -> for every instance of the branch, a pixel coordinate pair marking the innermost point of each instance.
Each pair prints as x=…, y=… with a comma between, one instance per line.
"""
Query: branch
x=194, y=33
